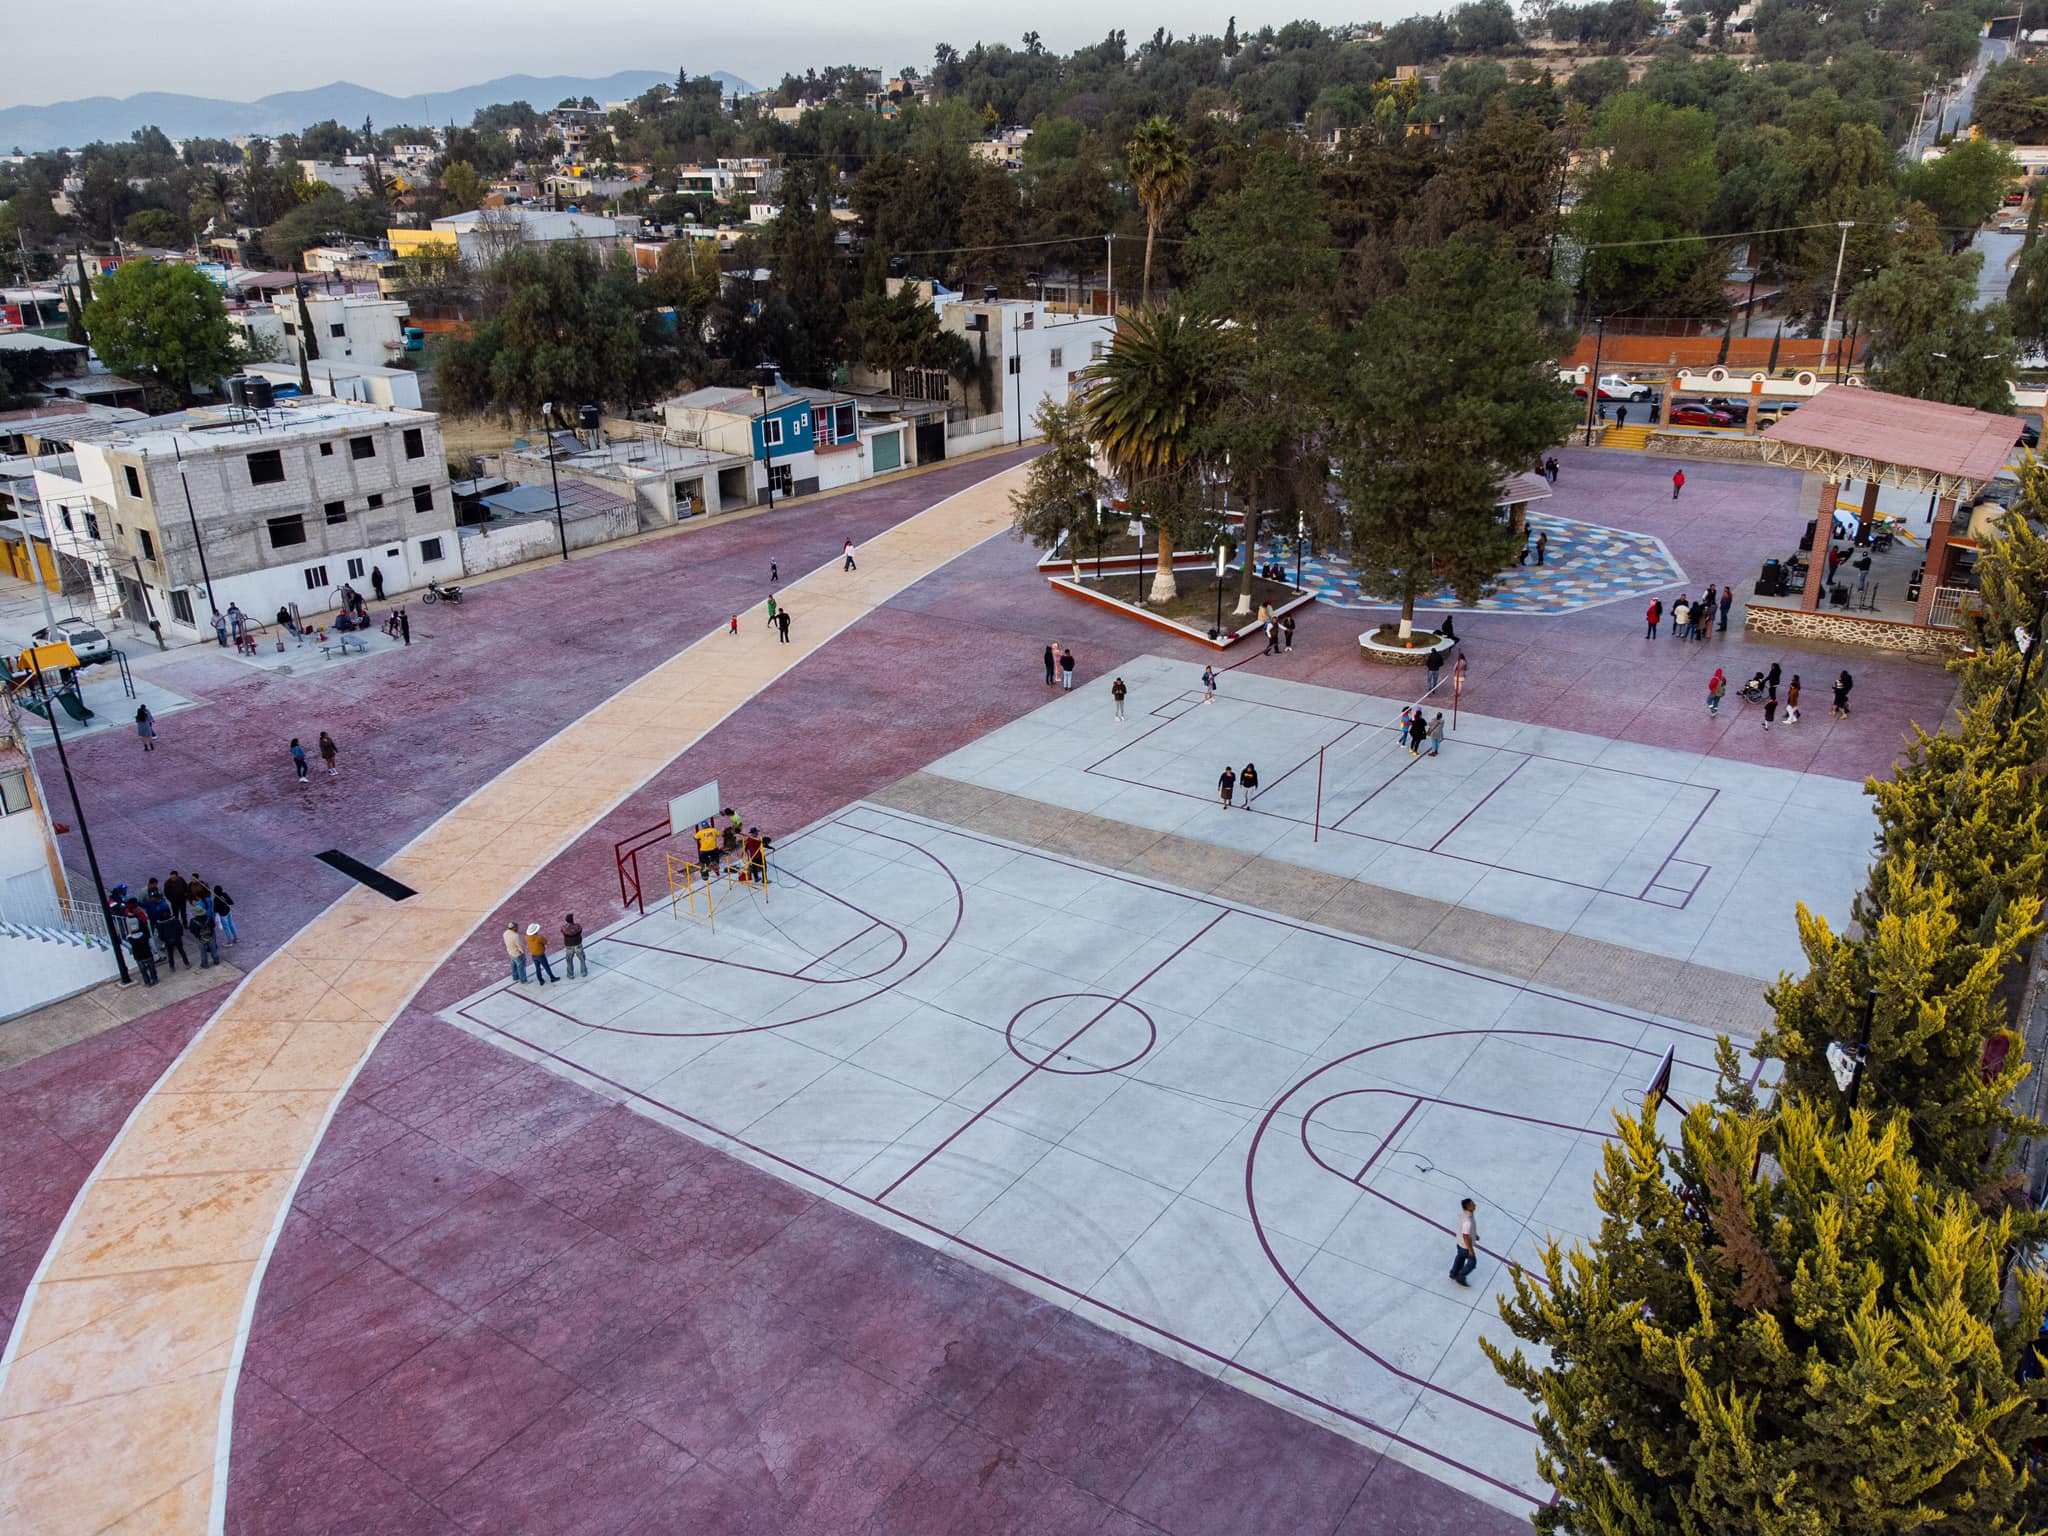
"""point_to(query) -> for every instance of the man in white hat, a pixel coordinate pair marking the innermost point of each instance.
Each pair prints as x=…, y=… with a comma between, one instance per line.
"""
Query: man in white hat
x=537, y=951
x=516, y=948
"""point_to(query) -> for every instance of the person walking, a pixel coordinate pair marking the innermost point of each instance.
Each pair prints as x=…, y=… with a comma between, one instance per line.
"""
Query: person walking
x=572, y=948
x=1717, y=685
x=328, y=752
x=537, y=952
x=774, y=573
x=298, y=760
x=145, y=727
x=1067, y=670
x=1681, y=619
x=377, y=582
x=1434, y=664
x=1843, y=684
x=404, y=627
x=1287, y=632
x=1621, y=415
x=1770, y=708
x=516, y=948
x=1407, y=724
x=1116, y=692
x=733, y=625
x=771, y=610
x=1226, y=785
x=1652, y=617
x=1542, y=547
x=1466, y=1259
x=236, y=621
x=1208, y=685
x=1771, y=678
x=223, y=913
x=1248, y=781
x=1052, y=663
x=1272, y=629
x=1727, y=602
x=848, y=553
x=1792, y=701
x=782, y=625
x=177, y=893
x=1436, y=733
x=1550, y=469
x=1677, y=483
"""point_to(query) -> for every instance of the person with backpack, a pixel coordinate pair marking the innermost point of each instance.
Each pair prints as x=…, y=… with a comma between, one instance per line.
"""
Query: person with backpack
x=223, y=907
x=205, y=930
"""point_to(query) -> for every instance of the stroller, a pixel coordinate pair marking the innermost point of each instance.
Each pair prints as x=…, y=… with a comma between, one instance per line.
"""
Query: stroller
x=1753, y=690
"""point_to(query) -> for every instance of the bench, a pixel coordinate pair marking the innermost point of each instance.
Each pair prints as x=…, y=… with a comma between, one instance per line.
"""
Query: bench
x=344, y=644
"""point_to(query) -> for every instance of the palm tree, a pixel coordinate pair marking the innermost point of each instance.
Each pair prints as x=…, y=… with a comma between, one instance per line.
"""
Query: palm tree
x=1032, y=44
x=1161, y=174
x=1150, y=397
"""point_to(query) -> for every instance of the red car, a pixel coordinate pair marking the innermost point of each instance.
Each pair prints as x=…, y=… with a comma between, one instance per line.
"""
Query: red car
x=1693, y=414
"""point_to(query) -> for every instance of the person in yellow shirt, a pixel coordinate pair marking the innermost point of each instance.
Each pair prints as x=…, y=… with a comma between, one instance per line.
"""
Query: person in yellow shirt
x=707, y=848
x=537, y=950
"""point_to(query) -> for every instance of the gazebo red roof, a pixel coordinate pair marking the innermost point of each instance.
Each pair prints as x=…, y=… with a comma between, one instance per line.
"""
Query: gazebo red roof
x=1876, y=436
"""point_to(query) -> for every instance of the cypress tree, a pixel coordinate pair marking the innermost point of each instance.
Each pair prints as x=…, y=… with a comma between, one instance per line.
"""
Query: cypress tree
x=74, y=322
x=1817, y=1351
x=309, y=344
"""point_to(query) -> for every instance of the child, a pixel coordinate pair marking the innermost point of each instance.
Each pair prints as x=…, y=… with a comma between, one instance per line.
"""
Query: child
x=734, y=627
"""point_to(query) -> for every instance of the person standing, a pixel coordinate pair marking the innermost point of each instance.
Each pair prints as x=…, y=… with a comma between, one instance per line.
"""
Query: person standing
x=1621, y=415
x=1208, y=685
x=1771, y=677
x=404, y=627
x=1770, y=708
x=236, y=622
x=1792, y=701
x=774, y=573
x=377, y=582
x=848, y=553
x=1052, y=663
x=299, y=760
x=1287, y=632
x=1407, y=724
x=136, y=925
x=1653, y=616
x=170, y=938
x=1542, y=546
x=1550, y=469
x=1705, y=624
x=206, y=932
x=1466, y=1259
x=707, y=849
x=223, y=912
x=1434, y=664
x=1116, y=692
x=1843, y=684
x=220, y=629
x=572, y=948
x=1436, y=733
x=1272, y=629
x=1226, y=785
x=1681, y=619
x=145, y=727
x=1677, y=483
x=177, y=893
x=771, y=610
x=1716, y=686
x=1727, y=602
x=1248, y=781
x=328, y=752
x=782, y=625
x=1066, y=670
x=516, y=948
x=537, y=952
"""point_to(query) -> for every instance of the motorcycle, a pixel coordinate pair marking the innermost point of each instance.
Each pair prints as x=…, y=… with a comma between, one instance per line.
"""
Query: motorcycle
x=436, y=593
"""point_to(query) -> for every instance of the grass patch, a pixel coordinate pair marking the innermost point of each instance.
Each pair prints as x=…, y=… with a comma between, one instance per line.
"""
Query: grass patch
x=1196, y=604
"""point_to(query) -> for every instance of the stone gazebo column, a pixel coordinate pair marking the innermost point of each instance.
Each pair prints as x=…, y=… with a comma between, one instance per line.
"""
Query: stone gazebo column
x=1823, y=537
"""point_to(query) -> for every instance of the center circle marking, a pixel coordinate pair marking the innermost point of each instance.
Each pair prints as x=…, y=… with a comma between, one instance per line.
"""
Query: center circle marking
x=1123, y=1027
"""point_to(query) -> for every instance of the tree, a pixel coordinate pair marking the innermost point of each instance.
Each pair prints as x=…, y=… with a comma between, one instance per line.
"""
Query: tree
x=162, y=320
x=465, y=188
x=1060, y=503
x=2026, y=301
x=1651, y=190
x=309, y=344
x=1451, y=386
x=902, y=331
x=564, y=328
x=1965, y=186
x=1928, y=338
x=155, y=226
x=74, y=322
x=1818, y=1350
x=1150, y=402
x=1161, y=175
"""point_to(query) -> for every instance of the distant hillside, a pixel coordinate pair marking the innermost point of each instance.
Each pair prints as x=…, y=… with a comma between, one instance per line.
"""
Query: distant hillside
x=70, y=124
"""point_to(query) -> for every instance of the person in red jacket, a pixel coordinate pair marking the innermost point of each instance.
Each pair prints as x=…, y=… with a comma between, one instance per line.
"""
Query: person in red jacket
x=1677, y=483
x=1655, y=615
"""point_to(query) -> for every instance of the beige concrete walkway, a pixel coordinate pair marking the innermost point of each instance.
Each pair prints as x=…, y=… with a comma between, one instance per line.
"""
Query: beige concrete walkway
x=117, y=1384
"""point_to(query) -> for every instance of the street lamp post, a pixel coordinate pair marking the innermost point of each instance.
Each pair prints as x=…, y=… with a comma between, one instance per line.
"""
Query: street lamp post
x=547, y=412
x=78, y=811
x=1827, y=331
x=764, y=378
x=1217, y=632
x=1098, y=542
x=1300, y=545
x=1593, y=384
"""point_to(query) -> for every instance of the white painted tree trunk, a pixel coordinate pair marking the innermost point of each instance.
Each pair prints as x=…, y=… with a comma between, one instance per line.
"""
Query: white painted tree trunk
x=1164, y=589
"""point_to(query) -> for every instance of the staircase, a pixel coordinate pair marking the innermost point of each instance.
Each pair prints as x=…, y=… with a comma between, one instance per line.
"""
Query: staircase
x=1634, y=438
x=43, y=962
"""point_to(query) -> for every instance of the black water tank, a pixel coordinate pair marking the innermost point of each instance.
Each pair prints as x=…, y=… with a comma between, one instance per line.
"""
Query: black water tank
x=262, y=397
x=238, y=392
x=586, y=417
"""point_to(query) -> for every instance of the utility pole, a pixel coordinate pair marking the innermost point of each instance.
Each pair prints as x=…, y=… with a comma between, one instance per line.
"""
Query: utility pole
x=547, y=415
x=1827, y=331
x=1593, y=384
x=198, y=544
x=78, y=811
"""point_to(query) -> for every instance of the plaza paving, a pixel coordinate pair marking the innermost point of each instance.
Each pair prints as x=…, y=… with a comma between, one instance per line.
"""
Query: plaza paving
x=1238, y=1137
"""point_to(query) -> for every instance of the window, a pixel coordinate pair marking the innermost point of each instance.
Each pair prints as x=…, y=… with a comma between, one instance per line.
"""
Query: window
x=290, y=329
x=92, y=525
x=430, y=549
x=415, y=443
x=1095, y=349
x=771, y=431
x=362, y=447
x=148, y=545
x=423, y=498
x=134, y=480
x=1056, y=357
x=783, y=479
x=327, y=450
x=376, y=498
x=266, y=468
x=355, y=569
x=287, y=531
x=337, y=512
x=337, y=330
x=69, y=526
x=13, y=791
x=316, y=578
x=181, y=606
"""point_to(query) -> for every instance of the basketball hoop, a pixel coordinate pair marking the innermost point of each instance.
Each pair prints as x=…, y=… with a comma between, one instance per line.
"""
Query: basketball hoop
x=1659, y=1090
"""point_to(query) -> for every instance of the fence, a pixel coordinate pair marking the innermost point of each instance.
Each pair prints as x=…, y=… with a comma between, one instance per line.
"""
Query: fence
x=1949, y=603
x=52, y=911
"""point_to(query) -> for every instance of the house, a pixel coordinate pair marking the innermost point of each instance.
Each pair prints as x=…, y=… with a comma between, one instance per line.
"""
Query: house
x=661, y=481
x=1005, y=149
x=367, y=383
x=797, y=441
x=64, y=359
x=576, y=127
x=484, y=234
x=357, y=262
x=286, y=503
x=346, y=326
x=348, y=180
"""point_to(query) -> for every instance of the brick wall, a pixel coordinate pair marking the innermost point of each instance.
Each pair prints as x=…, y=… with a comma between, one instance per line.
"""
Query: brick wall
x=1848, y=629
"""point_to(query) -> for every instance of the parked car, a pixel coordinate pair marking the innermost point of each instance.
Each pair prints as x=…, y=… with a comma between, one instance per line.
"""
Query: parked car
x=1695, y=414
x=2030, y=435
x=88, y=643
x=1737, y=411
x=1769, y=411
x=1615, y=386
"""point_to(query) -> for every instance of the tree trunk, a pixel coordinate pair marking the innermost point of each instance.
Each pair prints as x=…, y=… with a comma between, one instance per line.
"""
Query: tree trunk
x=1145, y=286
x=1247, y=556
x=1407, y=617
x=1163, y=588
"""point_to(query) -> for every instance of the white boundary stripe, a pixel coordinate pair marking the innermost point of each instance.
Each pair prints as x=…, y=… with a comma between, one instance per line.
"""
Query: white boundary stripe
x=217, y=1518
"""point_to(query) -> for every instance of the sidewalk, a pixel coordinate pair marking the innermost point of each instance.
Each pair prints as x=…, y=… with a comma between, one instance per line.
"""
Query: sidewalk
x=103, y=1008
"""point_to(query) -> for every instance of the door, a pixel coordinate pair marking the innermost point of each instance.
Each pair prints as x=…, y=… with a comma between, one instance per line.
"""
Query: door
x=931, y=441
x=888, y=450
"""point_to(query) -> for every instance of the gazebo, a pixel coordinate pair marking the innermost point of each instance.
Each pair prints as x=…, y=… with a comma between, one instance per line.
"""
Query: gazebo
x=1847, y=433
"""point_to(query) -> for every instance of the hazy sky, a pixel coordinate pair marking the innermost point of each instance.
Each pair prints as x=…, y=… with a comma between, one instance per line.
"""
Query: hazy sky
x=206, y=48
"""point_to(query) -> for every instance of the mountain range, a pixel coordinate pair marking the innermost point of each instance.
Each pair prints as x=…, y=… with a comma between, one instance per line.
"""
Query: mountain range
x=72, y=124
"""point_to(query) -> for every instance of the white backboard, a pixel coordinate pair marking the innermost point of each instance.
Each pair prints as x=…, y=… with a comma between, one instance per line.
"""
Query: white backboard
x=685, y=811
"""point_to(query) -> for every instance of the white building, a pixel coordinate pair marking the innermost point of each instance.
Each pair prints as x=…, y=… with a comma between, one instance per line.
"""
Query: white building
x=484, y=234
x=49, y=948
x=1036, y=353
x=287, y=504
x=347, y=327
x=364, y=383
x=348, y=180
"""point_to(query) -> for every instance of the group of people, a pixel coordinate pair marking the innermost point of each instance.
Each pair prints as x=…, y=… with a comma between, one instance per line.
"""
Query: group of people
x=1419, y=733
x=1059, y=666
x=716, y=844
x=532, y=946
x=1274, y=570
x=1279, y=632
x=235, y=625
x=1691, y=620
x=328, y=753
x=156, y=920
x=1762, y=688
x=1234, y=779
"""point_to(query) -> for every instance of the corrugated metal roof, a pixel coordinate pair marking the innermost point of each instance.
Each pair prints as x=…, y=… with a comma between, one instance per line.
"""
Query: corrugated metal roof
x=1950, y=440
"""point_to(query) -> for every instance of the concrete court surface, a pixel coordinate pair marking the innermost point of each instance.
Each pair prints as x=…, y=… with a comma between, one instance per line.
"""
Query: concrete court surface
x=1236, y=1137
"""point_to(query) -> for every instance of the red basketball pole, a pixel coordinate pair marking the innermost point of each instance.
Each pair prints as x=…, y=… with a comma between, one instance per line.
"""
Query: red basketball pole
x=1317, y=835
x=1457, y=688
